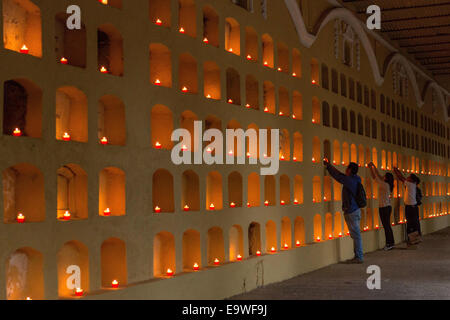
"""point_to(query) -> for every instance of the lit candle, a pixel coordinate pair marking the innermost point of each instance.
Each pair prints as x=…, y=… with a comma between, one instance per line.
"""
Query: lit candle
x=313, y=120
x=184, y=148
x=24, y=49
x=211, y=206
x=157, y=82
x=107, y=212
x=266, y=109
x=67, y=215
x=64, y=60
x=232, y=205
x=348, y=233
x=158, y=145
x=79, y=292
x=281, y=113
x=258, y=253
x=248, y=205
x=239, y=257
x=282, y=158
x=273, y=250
x=286, y=246
x=279, y=69
x=313, y=82
x=283, y=202
x=297, y=243
x=157, y=209
x=230, y=100
x=294, y=117
x=266, y=203
x=247, y=106
x=103, y=70
x=182, y=30
x=158, y=22
x=230, y=50
x=103, y=1
x=318, y=239
x=196, y=267
x=294, y=74
x=295, y=201
x=66, y=136
x=294, y=159
x=340, y=234
x=104, y=141
x=266, y=63
x=115, y=284
x=216, y=262
x=20, y=218
x=249, y=57
x=29, y=298
x=330, y=237
x=184, y=89
x=208, y=96
x=169, y=272
x=393, y=223
x=17, y=132
x=313, y=159
x=205, y=40
x=186, y=208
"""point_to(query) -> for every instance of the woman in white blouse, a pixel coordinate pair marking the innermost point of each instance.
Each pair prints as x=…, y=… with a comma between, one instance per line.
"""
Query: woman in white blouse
x=385, y=188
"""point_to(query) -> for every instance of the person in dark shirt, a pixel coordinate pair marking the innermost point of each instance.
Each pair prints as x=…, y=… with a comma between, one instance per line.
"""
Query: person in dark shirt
x=352, y=213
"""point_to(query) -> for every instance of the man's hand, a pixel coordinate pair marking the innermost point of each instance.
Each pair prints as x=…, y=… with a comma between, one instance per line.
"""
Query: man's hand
x=326, y=162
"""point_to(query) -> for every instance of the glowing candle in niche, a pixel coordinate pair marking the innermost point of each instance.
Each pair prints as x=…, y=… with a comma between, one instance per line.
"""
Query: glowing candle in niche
x=297, y=243
x=286, y=246
x=266, y=203
x=313, y=81
x=104, y=141
x=115, y=284
x=249, y=57
x=205, y=40
x=282, y=202
x=266, y=109
x=230, y=50
x=208, y=96
x=196, y=267
x=79, y=292
x=273, y=250
x=318, y=239
x=330, y=237
x=258, y=253
x=157, y=82
x=29, y=298
x=279, y=69
x=17, y=132
x=239, y=257
x=107, y=212
x=313, y=120
x=64, y=60
x=184, y=148
x=294, y=117
x=169, y=272
x=20, y=218
x=24, y=49
x=232, y=205
x=211, y=206
x=184, y=89
x=266, y=64
x=230, y=100
x=216, y=262
x=66, y=136
x=247, y=106
x=294, y=159
x=230, y=153
x=281, y=113
x=67, y=215
x=158, y=145
x=186, y=208
x=103, y=1
x=182, y=30
x=294, y=74
x=295, y=201
x=348, y=233
x=103, y=70
x=158, y=22
x=157, y=209
x=248, y=205
x=340, y=234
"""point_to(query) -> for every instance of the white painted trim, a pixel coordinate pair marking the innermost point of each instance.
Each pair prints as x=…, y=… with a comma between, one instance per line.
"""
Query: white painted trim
x=308, y=40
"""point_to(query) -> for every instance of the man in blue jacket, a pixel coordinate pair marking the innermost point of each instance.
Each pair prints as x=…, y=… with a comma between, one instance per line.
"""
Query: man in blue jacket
x=352, y=213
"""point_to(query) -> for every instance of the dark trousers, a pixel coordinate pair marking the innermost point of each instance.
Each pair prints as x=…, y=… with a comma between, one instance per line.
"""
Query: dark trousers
x=385, y=216
x=412, y=217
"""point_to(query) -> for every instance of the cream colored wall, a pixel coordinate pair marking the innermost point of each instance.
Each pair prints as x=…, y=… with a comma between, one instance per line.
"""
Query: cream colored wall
x=139, y=160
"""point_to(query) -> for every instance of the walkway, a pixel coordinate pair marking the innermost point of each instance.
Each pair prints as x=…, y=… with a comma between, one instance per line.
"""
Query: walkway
x=405, y=274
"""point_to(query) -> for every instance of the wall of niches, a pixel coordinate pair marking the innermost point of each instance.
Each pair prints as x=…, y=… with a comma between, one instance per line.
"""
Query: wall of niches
x=87, y=178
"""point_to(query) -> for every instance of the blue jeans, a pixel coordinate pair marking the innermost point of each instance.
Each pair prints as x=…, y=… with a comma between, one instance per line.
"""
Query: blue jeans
x=352, y=220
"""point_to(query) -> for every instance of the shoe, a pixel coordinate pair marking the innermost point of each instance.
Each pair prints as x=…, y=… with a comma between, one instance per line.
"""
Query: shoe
x=388, y=248
x=354, y=261
x=411, y=246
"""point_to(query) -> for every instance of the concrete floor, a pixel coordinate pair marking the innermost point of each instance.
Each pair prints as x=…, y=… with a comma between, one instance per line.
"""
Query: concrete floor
x=405, y=274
